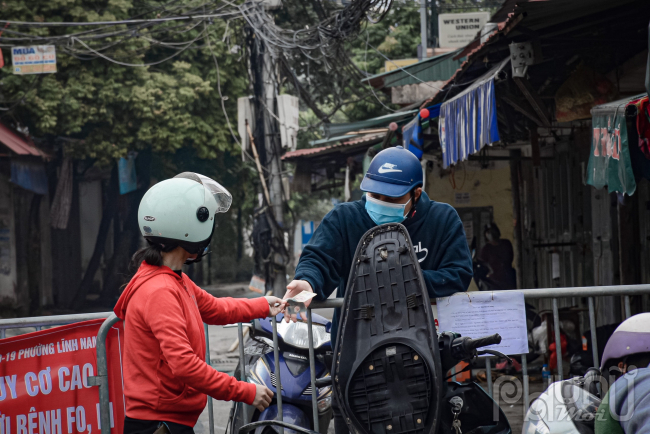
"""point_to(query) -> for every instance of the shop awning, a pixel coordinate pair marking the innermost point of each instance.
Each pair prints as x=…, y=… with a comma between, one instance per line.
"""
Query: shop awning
x=469, y=120
x=437, y=68
x=334, y=130
x=18, y=144
x=609, y=162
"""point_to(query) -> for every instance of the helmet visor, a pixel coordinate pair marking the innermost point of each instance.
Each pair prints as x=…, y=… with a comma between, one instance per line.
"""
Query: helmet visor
x=219, y=192
x=211, y=188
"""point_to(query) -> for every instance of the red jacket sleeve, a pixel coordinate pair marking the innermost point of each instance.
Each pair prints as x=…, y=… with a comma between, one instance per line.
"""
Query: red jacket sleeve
x=164, y=315
x=226, y=310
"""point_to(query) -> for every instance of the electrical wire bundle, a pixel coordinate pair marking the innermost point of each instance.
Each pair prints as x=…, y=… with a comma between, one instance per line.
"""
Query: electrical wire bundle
x=322, y=40
x=174, y=27
x=179, y=25
x=321, y=45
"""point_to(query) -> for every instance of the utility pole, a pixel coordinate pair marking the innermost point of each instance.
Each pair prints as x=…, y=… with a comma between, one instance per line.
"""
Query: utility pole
x=274, y=164
x=268, y=146
x=423, y=27
x=434, y=24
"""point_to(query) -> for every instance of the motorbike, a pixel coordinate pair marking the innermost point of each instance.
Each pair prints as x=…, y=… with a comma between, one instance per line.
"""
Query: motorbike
x=469, y=404
x=466, y=406
x=295, y=376
x=566, y=407
x=389, y=364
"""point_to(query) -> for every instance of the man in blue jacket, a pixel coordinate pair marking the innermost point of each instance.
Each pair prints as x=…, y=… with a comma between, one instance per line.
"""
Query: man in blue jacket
x=393, y=185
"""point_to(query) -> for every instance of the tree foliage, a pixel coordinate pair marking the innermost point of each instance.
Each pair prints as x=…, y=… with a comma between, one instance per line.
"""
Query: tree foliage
x=113, y=108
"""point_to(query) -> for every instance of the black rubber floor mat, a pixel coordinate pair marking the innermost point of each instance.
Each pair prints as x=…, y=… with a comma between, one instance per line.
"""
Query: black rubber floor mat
x=387, y=372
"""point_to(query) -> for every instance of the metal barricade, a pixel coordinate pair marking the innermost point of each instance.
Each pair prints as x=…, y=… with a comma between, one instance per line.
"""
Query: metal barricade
x=45, y=321
x=555, y=294
x=529, y=294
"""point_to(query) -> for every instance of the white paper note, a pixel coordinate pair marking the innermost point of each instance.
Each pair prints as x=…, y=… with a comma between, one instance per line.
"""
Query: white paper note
x=303, y=297
x=479, y=314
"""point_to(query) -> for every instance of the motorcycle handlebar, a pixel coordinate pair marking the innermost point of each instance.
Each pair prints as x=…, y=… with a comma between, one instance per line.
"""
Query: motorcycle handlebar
x=485, y=341
x=473, y=344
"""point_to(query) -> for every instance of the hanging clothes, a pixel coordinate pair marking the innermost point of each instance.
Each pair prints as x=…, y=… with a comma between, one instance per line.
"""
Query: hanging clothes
x=60, y=211
x=643, y=126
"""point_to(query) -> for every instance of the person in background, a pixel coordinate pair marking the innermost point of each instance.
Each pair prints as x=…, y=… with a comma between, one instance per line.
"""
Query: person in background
x=495, y=262
x=625, y=409
x=498, y=255
x=166, y=378
x=393, y=186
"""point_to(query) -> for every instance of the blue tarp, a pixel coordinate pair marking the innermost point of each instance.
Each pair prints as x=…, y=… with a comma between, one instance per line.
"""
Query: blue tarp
x=126, y=172
x=412, y=136
x=29, y=174
x=468, y=122
x=412, y=132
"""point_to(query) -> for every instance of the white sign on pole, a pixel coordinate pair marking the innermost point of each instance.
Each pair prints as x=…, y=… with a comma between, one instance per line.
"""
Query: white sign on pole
x=244, y=113
x=36, y=59
x=479, y=314
x=458, y=30
x=288, y=112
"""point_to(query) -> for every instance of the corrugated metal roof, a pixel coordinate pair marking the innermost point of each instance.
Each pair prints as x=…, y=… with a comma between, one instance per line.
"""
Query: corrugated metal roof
x=438, y=68
x=339, y=129
x=368, y=138
x=537, y=15
x=18, y=144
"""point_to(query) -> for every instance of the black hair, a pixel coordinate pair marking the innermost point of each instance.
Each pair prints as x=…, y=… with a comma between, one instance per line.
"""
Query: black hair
x=634, y=361
x=152, y=255
x=493, y=229
x=640, y=360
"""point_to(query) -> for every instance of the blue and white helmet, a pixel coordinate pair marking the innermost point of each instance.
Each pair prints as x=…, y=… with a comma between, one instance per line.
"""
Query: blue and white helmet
x=393, y=173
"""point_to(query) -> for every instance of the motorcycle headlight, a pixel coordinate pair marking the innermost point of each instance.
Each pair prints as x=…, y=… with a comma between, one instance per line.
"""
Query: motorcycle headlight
x=297, y=334
x=324, y=404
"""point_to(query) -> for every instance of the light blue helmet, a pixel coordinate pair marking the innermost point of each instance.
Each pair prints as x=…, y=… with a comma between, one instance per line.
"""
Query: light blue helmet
x=393, y=173
x=180, y=212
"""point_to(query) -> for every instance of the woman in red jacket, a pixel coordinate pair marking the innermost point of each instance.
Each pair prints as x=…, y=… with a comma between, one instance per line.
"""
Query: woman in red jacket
x=166, y=378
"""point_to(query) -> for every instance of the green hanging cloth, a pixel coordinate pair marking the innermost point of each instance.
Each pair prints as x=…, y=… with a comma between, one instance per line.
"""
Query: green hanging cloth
x=609, y=163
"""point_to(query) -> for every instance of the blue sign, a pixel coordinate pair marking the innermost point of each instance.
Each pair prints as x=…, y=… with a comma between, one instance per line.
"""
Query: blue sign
x=126, y=171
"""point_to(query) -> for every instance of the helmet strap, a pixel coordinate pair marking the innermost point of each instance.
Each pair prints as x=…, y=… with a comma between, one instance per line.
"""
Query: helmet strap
x=199, y=257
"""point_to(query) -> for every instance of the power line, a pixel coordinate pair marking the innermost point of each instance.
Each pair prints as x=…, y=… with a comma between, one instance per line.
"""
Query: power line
x=402, y=69
x=109, y=23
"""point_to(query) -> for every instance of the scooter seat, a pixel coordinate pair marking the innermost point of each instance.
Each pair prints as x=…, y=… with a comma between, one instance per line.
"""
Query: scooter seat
x=387, y=372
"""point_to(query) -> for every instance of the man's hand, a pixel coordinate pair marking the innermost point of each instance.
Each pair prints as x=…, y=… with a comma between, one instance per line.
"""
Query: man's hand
x=263, y=397
x=276, y=305
x=293, y=289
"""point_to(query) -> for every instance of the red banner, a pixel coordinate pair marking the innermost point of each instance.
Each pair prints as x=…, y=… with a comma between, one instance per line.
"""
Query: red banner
x=44, y=380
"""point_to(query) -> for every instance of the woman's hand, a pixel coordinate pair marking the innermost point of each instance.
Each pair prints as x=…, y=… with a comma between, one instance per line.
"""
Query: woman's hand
x=293, y=289
x=276, y=305
x=263, y=397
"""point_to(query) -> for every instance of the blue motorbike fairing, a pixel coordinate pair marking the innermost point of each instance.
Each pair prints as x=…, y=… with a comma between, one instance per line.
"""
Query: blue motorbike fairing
x=290, y=414
x=293, y=386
